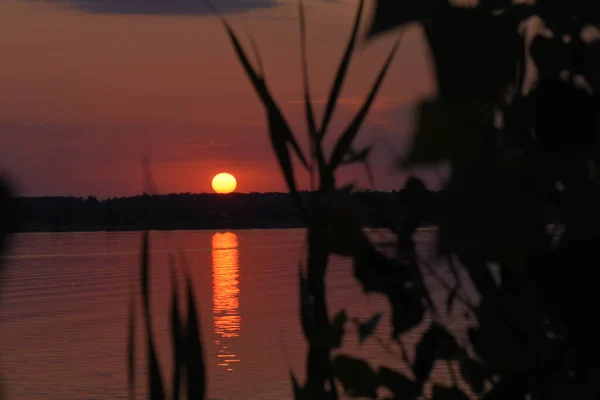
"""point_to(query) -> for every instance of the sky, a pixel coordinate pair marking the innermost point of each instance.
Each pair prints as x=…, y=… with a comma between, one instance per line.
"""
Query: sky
x=91, y=87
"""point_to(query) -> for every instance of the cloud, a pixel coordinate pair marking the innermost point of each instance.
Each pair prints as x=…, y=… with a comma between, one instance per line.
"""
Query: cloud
x=164, y=7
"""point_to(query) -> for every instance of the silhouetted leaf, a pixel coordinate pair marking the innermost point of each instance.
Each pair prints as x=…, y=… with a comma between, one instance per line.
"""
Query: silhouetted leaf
x=447, y=131
x=401, y=386
x=377, y=273
x=341, y=72
x=177, y=335
x=332, y=336
x=506, y=333
x=469, y=65
x=435, y=344
x=592, y=64
x=451, y=297
x=356, y=376
x=306, y=313
x=315, y=148
x=196, y=388
x=390, y=14
x=344, y=143
x=155, y=382
x=366, y=329
x=473, y=373
x=279, y=131
x=338, y=328
x=298, y=393
x=145, y=271
x=551, y=56
x=565, y=108
x=407, y=310
x=448, y=393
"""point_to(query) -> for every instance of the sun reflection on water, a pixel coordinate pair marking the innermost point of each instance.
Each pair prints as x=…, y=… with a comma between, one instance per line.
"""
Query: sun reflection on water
x=226, y=292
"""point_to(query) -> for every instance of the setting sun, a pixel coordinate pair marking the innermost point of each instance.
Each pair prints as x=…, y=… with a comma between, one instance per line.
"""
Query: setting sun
x=224, y=183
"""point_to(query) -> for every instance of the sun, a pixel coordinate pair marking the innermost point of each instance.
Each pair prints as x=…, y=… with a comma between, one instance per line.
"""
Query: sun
x=224, y=183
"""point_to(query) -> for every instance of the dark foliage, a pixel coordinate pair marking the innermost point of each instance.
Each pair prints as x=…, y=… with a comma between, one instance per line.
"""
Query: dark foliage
x=521, y=160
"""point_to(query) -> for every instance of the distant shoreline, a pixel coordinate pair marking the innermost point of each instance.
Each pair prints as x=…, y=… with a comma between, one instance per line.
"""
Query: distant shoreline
x=201, y=212
x=213, y=228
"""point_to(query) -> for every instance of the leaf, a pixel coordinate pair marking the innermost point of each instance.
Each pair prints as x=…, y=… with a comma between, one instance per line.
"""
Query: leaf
x=306, y=313
x=377, y=273
x=474, y=66
x=448, y=393
x=473, y=373
x=344, y=143
x=298, y=393
x=407, y=310
x=549, y=56
x=356, y=376
x=331, y=337
x=145, y=271
x=435, y=344
x=451, y=131
x=508, y=327
x=196, y=388
x=131, y=348
x=337, y=328
x=390, y=14
x=155, y=384
x=451, y=297
x=279, y=130
x=316, y=150
x=366, y=329
x=401, y=386
x=341, y=72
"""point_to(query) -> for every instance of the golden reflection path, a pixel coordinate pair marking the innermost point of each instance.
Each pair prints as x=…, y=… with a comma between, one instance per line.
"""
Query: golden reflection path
x=226, y=295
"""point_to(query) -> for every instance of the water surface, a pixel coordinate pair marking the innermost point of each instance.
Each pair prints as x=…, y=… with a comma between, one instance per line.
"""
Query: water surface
x=63, y=311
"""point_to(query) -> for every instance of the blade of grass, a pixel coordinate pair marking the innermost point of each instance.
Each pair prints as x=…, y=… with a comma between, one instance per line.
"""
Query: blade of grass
x=144, y=263
x=310, y=118
x=283, y=134
x=131, y=347
x=345, y=141
x=155, y=385
x=195, y=357
x=177, y=335
x=341, y=73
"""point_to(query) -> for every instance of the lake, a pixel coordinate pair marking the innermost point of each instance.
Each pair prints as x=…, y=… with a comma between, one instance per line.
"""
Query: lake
x=64, y=311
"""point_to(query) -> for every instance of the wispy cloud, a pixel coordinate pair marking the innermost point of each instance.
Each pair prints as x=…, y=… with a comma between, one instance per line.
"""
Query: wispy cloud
x=163, y=7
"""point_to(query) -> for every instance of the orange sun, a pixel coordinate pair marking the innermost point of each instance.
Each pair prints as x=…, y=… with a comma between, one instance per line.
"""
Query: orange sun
x=224, y=183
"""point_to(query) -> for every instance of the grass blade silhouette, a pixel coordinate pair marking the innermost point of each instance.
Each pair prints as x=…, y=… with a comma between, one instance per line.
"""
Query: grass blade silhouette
x=279, y=130
x=177, y=334
x=341, y=73
x=345, y=142
x=155, y=385
x=263, y=92
x=195, y=358
x=144, y=273
x=131, y=347
x=315, y=149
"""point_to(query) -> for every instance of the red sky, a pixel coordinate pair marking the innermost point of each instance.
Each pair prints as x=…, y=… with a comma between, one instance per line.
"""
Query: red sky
x=87, y=93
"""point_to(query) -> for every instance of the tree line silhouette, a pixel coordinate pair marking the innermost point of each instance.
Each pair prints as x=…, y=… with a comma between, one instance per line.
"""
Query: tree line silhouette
x=199, y=211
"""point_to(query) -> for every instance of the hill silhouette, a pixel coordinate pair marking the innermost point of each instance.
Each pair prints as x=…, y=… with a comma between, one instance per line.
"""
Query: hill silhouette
x=197, y=211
